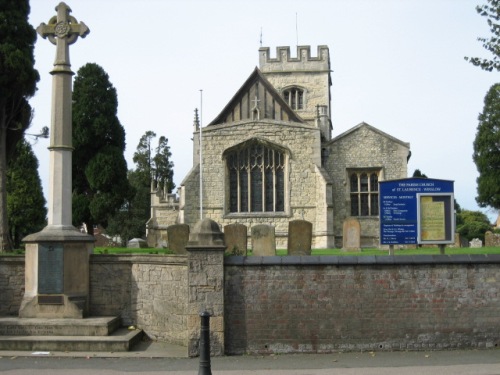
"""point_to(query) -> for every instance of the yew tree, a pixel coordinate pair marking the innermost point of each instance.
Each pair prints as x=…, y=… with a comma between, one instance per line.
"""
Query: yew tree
x=25, y=201
x=18, y=79
x=100, y=185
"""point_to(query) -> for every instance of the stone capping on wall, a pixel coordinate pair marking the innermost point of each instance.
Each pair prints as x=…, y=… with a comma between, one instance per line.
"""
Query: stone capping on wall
x=238, y=260
x=139, y=259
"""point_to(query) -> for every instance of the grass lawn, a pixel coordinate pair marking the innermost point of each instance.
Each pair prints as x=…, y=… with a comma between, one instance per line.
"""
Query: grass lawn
x=338, y=252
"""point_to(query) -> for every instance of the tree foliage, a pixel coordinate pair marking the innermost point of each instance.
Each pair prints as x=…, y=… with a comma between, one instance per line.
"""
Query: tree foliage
x=417, y=173
x=100, y=185
x=487, y=150
x=130, y=221
x=18, y=80
x=154, y=165
x=472, y=224
x=25, y=201
x=491, y=11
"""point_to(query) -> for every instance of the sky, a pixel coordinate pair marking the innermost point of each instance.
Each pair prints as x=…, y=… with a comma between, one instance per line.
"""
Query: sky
x=398, y=65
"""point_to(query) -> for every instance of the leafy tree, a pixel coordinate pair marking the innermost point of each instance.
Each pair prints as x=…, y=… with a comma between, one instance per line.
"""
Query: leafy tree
x=472, y=224
x=491, y=11
x=100, y=185
x=154, y=168
x=130, y=221
x=153, y=165
x=18, y=80
x=163, y=167
x=487, y=150
x=417, y=173
x=25, y=200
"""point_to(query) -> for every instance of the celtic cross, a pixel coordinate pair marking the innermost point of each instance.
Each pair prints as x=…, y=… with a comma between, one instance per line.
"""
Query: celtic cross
x=62, y=30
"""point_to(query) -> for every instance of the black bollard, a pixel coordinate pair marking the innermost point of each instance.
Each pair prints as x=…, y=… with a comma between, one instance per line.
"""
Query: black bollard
x=205, y=344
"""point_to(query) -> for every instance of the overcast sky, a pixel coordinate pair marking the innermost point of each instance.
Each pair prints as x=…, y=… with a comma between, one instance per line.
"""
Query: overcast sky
x=398, y=65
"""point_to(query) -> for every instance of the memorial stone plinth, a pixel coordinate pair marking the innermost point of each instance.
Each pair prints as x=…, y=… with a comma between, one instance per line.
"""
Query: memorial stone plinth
x=57, y=258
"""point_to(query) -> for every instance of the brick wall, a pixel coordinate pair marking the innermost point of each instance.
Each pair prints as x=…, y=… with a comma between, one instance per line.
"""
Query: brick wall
x=322, y=304
x=297, y=304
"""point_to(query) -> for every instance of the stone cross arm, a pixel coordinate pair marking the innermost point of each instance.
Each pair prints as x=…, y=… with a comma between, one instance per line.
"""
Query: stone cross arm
x=63, y=26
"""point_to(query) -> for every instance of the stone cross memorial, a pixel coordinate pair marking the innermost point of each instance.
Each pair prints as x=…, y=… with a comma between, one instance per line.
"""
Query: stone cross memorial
x=57, y=258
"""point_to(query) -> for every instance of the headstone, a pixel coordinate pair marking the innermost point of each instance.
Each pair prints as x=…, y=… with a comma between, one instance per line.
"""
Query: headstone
x=137, y=243
x=178, y=237
x=491, y=239
x=476, y=243
x=351, y=235
x=235, y=236
x=263, y=240
x=299, y=237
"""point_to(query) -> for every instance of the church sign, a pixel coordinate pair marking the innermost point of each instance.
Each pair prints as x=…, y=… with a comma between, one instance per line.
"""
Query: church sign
x=416, y=211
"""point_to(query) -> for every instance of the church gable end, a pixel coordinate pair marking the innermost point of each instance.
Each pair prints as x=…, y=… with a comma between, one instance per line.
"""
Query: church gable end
x=256, y=100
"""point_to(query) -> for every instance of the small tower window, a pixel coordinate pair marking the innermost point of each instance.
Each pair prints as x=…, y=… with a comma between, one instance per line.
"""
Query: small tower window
x=294, y=97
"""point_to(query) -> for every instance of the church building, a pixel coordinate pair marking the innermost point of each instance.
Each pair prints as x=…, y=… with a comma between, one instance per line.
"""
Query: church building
x=271, y=156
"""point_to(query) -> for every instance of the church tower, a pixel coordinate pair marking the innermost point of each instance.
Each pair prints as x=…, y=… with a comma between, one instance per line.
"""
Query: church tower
x=303, y=82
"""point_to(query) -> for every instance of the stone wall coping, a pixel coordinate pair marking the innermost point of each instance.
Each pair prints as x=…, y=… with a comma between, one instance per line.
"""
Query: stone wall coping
x=12, y=259
x=174, y=259
x=349, y=260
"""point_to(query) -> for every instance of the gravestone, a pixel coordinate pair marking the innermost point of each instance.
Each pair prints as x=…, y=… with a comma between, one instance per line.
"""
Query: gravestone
x=235, y=236
x=137, y=243
x=476, y=243
x=178, y=237
x=299, y=237
x=263, y=240
x=351, y=235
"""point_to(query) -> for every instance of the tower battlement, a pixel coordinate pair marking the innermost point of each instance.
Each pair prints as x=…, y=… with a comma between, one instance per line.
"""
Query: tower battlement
x=285, y=62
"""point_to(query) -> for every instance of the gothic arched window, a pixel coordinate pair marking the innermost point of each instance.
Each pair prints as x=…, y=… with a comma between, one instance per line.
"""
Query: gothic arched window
x=364, y=193
x=256, y=179
x=294, y=96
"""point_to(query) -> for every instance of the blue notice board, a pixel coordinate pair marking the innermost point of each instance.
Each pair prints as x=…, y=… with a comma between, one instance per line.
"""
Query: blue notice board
x=399, y=216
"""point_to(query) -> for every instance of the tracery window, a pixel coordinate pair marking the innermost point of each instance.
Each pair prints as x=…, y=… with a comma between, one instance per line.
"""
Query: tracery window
x=256, y=179
x=294, y=96
x=364, y=193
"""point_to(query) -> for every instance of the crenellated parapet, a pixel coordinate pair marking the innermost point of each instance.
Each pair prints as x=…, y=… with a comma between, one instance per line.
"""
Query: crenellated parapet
x=302, y=62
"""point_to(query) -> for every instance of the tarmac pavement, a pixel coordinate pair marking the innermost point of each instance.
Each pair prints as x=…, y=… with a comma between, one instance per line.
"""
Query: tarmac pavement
x=157, y=358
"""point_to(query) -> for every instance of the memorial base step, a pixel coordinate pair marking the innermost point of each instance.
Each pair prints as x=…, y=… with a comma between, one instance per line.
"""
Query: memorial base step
x=92, y=326
x=121, y=340
x=99, y=334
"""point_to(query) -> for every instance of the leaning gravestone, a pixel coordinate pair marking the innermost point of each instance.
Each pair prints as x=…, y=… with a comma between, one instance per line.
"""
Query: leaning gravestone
x=476, y=243
x=235, y=237
x=178, y=237
x=263, y=240
x=137, y=243
x=351, y=235
x=299, y=237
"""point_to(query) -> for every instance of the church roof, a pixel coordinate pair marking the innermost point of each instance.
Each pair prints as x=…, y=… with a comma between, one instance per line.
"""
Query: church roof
x=365, y=125
x=256, y=100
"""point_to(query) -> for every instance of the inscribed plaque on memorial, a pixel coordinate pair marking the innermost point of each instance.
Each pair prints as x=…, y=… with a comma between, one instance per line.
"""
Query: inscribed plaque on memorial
x=432, y=220
x=50, y=269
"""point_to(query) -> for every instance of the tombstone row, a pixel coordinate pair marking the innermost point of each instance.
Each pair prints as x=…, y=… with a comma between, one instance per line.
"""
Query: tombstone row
x=263, y=238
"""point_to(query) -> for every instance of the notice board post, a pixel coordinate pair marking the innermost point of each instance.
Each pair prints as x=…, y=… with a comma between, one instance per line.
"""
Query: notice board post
x=417, y=211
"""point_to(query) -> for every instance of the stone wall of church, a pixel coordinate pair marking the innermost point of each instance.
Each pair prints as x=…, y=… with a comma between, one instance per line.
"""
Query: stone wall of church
x=362, y=148
x=303, y=143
